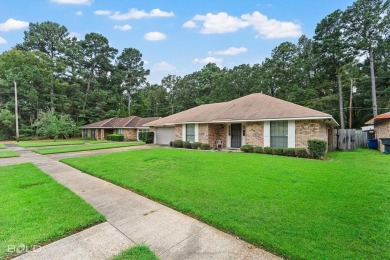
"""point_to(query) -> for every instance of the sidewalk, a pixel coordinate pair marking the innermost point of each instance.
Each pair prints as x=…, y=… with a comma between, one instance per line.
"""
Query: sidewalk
x=134, y=219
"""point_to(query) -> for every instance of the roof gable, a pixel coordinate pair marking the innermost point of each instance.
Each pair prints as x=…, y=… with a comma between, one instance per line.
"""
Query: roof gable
x=256, y=107
x=378, y=118
x=126, y=122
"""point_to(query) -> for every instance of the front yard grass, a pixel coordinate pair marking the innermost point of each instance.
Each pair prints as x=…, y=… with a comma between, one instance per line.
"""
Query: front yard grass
x=35, y=209
x=296, y=208
x=2, y=146
x=84, y=147
x=140, y=252
x=28, y=144
x=4, y=153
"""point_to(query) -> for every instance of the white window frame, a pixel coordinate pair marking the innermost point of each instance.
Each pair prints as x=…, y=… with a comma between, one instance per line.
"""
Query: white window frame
x=267, y=134
x=291, y=134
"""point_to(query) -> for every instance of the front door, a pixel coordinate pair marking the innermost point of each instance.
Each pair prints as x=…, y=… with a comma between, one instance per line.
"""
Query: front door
x=236, y=135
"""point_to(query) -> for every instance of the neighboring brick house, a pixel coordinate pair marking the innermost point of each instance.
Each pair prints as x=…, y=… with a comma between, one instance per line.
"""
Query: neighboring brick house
x=382, y=128
x=256, y=119
x=128, y=126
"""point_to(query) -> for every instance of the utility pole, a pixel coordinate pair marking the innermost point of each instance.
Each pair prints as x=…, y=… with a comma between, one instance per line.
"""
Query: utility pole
x=350, y=104
x=16, y=112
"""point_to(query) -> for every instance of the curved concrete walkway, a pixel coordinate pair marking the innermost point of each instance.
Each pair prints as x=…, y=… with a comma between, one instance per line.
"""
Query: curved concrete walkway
x=133, y=219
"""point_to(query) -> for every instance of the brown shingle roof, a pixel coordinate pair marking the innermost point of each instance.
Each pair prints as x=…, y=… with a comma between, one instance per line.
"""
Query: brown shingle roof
x=254, y=107
x=378, y=118
x=126, y=122
x=144, y=121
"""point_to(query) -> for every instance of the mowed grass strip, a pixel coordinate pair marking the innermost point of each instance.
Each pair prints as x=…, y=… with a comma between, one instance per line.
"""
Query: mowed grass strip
x=35, y=209
x=140, y=252
x=28, y=144
x=296, y=208
x=8, y=153
x=85, y=147
x=2, y=146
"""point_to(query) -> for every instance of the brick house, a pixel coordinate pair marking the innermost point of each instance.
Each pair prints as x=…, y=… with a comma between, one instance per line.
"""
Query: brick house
x=256, y=119
x=128, y=126
x=382, y=128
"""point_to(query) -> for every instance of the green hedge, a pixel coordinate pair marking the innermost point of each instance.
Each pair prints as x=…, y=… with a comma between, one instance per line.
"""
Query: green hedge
x=317, y=148
x=258, y=149
x=205, y=147
x=116, y=137
x=177, y=144
x=196, y=145
x=292, y=152
x=187, y=145
x=247, y=148
x=146, y=137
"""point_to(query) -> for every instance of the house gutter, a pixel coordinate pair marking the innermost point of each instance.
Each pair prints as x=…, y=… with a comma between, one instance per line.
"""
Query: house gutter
x=330, y=119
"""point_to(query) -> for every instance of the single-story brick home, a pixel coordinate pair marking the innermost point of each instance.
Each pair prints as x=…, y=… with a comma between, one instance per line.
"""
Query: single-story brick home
x=256, y=119
x=128, y=126
x=382, y=128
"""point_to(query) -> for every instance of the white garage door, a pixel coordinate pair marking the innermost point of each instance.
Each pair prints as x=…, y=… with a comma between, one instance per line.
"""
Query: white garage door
x=164, y=135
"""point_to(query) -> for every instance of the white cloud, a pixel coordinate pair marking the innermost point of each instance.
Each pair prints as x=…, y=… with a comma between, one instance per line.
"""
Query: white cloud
x=219, y=23
x=74, y=34
x=79, y=13
x=189, y=24
x=146, y=62
x=272, y=28
x=125, y=27
x=265, y=27
x=12, y=24
x=164, y=66
x=2, y=40
x=154, y=36
x=134, y=13
x=208, y=60
x=230, y=51
x=102, y=12
x=73, y=2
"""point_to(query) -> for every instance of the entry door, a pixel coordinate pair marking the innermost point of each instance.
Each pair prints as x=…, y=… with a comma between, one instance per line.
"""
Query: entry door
x=236, y=135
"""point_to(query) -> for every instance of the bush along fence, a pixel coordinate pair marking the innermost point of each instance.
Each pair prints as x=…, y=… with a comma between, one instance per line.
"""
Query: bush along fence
x=146, y=137
x=317, y=149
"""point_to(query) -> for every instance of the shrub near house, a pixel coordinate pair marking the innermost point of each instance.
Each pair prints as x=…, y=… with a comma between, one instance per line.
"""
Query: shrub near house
x=292, y=152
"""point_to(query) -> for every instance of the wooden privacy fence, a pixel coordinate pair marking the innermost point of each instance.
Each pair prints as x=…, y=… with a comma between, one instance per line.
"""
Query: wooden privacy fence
x=347, y=139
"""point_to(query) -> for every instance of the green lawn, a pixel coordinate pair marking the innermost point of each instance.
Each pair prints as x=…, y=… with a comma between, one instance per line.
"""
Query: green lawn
x=84, y=147
x=296, y=208
x=2, y=146
x=27, y=144
x=8, y=153
x=140, y=252
x=35, y=209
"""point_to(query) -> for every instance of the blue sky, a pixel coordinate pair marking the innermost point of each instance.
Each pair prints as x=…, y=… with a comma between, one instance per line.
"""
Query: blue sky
x=176, y=36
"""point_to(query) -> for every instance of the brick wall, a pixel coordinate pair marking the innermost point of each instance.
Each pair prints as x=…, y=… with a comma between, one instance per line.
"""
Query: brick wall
x=130, y=134
x=254, y=133
x=210, y=133
x=382, y=130
x=216, y=132
x=178, y=132
x=309, y=129
x=203, y=131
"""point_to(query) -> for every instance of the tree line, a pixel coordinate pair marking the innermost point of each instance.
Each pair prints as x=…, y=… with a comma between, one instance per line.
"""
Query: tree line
x=89, y=80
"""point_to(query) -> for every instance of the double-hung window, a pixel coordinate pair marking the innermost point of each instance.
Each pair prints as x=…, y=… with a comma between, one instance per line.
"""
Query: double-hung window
x=279, y=134
x=190, y=132
x=119, y=131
